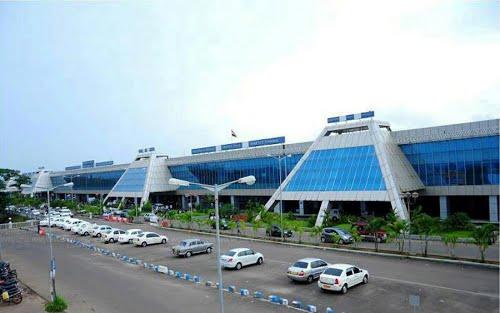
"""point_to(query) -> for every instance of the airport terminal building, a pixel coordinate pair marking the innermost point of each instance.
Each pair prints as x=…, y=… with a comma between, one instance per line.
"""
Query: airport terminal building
x=357, y=165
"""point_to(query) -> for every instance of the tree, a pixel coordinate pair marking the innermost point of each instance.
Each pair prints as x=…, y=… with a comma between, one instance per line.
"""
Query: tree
x=396, y=228
x=255, y=227
x=355, y=235
x=482, y=237
x=317, y=231
x=373, y=227
x=450, y=240
x=424, y=225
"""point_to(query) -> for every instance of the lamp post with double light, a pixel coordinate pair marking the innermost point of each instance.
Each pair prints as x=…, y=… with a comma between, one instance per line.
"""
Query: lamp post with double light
x=52, y=259
x=279, y=158
x=215, y=189
x=409, y=196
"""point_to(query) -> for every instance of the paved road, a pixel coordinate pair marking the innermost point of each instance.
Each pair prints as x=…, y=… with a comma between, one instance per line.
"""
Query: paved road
x=441, y=287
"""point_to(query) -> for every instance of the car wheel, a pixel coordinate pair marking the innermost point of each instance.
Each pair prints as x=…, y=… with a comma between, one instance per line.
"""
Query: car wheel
x=343, y=242
x=209, y=250
x=130, y=241
x=111, y=240
x=344, y=289
x=260, y=261
x=164, y=241
x=365, y=279
x=323, y=239
x=99, y=235
x=188, y=254
x=238, y=266
x=144, y=244
x=310, y=279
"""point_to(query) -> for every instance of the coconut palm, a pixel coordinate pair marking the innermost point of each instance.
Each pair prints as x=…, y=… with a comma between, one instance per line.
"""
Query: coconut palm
x=482, y=237
x=374, y=226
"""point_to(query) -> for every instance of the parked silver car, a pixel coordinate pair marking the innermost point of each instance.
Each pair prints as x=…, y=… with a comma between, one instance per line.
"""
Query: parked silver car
x=188, y=247
x=306, y=269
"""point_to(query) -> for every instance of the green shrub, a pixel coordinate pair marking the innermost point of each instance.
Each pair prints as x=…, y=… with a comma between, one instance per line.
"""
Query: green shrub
x=457, y=221
x=58, y=305
x=147, y=207
x=311, y=221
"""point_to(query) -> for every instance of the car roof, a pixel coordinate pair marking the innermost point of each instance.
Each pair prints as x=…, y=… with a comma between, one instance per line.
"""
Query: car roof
x=309, y=260
x=134, y=229
x=239, y=249
x=341, y=266
x=191, y=239
x=149, y=232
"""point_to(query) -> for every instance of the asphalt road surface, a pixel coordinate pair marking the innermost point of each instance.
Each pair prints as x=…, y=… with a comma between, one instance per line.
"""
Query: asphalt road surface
x=101, y=282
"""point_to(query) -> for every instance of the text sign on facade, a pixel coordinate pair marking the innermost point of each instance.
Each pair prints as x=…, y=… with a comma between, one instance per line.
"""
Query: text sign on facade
x=104, y=163
x=74, y=167
x=203, y=150
x=266, y=142
x=232, y=146
x=87, y=164
x=351, y=117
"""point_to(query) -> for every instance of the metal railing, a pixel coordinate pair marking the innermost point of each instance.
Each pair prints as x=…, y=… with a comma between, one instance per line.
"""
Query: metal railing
x=18, y=225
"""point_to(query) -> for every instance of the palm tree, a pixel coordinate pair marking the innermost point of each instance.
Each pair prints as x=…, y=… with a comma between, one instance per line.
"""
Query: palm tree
x=396, y=229
x=374, y=226
x=450, y=240
x=255, y=227
x=317, y=231
x=424, y=225
x=482, y=237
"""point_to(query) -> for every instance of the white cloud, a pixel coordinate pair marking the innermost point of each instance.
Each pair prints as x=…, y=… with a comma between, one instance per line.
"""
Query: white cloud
x=364, y=58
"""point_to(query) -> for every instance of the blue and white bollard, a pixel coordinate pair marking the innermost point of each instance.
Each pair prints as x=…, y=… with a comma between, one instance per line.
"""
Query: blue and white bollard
x=274, y=299
x=297, y=304
x=258, y=294
x=244, y=292
x=196, y=279
x=178, y=274
x=284, y=301
x=171, y=273
x=208, y=283
x=311, y=308
x=329, y=310
x=231, y=289
x=187, y=276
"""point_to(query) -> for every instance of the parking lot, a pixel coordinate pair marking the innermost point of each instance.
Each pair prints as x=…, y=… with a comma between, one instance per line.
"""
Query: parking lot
x=440, y=287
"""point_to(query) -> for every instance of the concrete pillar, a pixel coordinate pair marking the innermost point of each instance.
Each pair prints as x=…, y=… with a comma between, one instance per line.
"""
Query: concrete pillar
x=197, y=200
x=362, y=208
x=493, y=201
x=277, y=207
x=443, y=207
x=301, y=207
x=184, y=203
x=232, y=202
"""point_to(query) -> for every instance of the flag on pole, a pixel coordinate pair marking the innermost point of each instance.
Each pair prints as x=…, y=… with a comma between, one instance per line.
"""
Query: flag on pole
x=233, y=134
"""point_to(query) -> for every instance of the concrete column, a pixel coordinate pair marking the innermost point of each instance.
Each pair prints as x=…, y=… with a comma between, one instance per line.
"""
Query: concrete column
x=232, y=201
x=301, y=207
x=197, y=200
x=493, y=201
x=443, y=207
x=277, y=207
x=362, y=208
x=184, y=203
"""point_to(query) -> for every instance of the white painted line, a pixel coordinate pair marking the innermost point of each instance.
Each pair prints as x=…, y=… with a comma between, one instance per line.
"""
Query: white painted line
x=406, y=282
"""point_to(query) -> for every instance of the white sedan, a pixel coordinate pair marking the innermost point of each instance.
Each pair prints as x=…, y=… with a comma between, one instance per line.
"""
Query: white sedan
x=98, y=230
x=75, y=229
x=73, y=222
x=237, y=258
x=340, y=277
x=149, y=238
x=129, y=235
x=111, y=236
x=45, y=222
x=86, y=229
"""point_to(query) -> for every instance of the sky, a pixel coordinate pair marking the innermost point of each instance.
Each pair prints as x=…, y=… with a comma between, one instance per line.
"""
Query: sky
x=99, y=80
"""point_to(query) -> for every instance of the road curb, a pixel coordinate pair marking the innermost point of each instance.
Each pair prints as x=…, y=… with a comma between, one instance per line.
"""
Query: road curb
x=292, y=244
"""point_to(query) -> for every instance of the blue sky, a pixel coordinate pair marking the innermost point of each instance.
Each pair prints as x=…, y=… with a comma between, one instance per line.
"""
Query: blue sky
x=95, y=80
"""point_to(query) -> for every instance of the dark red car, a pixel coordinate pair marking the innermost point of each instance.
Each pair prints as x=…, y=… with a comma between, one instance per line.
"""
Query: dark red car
x=366, y=235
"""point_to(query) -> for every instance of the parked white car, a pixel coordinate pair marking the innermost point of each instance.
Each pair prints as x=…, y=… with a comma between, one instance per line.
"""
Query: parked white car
x=129, y=235
x=86, y=229
x=111, y=236
x=340, y=277
x=99, y=230
x=149, y=238
x=76, y=228
x=71, y=223
x=66, y=211
x=63, y=222
x=237, y=258
x=45, y=222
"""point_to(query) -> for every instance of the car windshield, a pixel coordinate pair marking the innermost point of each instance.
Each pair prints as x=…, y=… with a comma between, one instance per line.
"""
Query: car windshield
x=230, y=253
x=183, y=243
x=140, y=235
x=107, y=232
x=340, y=231
x=333, y=271
x=300, y=264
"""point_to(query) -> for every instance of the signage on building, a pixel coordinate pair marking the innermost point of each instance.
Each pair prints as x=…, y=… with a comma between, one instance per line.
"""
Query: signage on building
x=146, y=150
x=351, y=117
x=104, y=163
x=203, y=150
x=232, y=146
x=74, y=167
x=266, y=142
x=87, y=164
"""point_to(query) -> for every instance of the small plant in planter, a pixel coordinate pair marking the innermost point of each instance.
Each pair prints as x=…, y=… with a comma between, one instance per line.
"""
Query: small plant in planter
x=58, y=305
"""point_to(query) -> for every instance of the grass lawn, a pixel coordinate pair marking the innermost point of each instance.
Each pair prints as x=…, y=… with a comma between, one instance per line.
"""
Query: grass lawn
x=459, y=233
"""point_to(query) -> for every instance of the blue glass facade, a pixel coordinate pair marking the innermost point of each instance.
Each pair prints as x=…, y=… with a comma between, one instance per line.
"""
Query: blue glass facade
x=133, y=180
x=471, y=161
x=265, y=170
x=88, y=181
x=342, y=169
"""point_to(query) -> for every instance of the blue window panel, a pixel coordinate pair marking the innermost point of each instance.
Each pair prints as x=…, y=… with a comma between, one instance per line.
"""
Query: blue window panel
x=100, y=181
x=470, y=161
x=343, y=169
x=265, y=170
x=133, y=180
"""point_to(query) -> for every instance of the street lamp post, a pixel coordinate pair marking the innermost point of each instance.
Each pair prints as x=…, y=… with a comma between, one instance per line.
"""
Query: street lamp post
x=409, y=196
x=249, y=180
x=279, y=158
x=52, y=259
x=71, y=180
